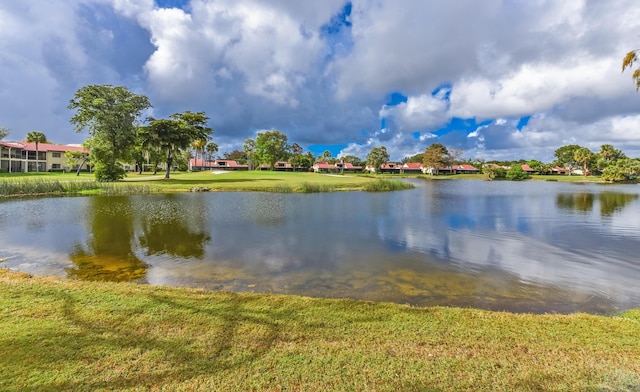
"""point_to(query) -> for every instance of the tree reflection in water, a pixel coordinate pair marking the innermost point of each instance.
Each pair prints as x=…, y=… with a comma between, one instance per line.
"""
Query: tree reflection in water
x=172, y=228
x=609, y=202
x=108, y=255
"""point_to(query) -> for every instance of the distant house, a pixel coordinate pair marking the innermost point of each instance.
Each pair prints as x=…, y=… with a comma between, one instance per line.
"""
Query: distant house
x=218, y=164
x=527, y=169
x=347, y=167
x=465, y=169
x=322, y=167
x=560, y=170
x=17, y=157
x=282, y=166
x=412, y=167
x=391, y=167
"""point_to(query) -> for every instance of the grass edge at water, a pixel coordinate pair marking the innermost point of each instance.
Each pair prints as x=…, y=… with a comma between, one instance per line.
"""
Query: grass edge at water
x=92, y=335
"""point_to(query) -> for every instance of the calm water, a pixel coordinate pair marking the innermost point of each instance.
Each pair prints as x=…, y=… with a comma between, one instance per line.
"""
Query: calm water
x=527, y=247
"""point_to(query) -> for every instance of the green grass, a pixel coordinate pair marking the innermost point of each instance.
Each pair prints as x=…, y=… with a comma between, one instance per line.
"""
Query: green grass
x=384, y=185
x=265, y=181
x=63, y=335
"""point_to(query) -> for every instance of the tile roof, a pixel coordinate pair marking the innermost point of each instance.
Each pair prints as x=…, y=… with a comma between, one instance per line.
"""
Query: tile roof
x=44, y=147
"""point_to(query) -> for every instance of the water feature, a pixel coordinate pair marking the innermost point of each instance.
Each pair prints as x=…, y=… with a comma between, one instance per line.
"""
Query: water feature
x=527, y=247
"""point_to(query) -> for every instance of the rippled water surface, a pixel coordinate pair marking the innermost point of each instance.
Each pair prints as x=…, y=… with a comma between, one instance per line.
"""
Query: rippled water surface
x=528, y=247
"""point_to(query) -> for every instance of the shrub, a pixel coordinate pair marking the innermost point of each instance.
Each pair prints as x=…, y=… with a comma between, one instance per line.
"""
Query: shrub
x=108, y=171
x=517, y=174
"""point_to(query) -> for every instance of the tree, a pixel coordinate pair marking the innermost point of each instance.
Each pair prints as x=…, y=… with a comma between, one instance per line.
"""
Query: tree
x=584, y=156
x=110, y=114
x=36, y=137
x=198, y=146
x=271, y=147
x=536, y=165
x=352, y=159
x=76, y=158
x=624, y=169
x=494, y=171
x=607, y=156
x=212, y=149
x=377, y=156
x=516, y=173
x=628, y=62
x=434, y=157
x=296, y=153
x=236, y=155
x=174, y=135
x=565, y=156
x=306, y=161
x=249, y=148
x=4, y=132
x=413, y=158
x=326, y=155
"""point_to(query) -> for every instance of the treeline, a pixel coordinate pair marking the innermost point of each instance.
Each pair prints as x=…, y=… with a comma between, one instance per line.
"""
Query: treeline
x=612, y=164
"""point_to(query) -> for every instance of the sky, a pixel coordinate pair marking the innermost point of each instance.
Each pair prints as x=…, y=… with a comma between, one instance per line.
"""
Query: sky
x=500, y=79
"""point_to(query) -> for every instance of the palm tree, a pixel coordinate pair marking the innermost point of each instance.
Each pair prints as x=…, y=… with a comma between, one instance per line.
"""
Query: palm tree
x=198, y=145
x=585, y=156
x=36, y=137
x=211, y=148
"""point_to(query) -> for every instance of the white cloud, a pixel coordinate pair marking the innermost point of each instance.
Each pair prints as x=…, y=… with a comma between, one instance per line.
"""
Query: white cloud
x=536, y=88
x=418, y=112
x=261, y=64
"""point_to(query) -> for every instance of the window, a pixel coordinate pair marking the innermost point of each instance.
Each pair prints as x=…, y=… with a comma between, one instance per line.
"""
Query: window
x=55, y=165
x=57, y=155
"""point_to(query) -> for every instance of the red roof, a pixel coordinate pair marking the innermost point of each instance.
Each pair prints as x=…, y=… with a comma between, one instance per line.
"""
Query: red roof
x=200, y=162
x=44, y=147
x=323, y=165
x=225, y=162
x=390, y=165
x=413, y=165
x=527, y=168
x=467, y=167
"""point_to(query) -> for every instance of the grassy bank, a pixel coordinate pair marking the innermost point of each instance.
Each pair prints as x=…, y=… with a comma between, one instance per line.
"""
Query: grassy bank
x=265, y=181
x=69, y=335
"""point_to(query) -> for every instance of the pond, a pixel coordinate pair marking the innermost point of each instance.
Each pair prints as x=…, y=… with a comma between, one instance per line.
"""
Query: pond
x=524, y=247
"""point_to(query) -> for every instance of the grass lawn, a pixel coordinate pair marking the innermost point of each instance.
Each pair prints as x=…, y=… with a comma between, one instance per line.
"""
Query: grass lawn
x=269, y=181
x=64, y=335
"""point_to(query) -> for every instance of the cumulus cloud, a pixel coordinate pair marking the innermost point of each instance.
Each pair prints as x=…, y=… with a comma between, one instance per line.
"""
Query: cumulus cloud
x=322, y=71
x=418, y=112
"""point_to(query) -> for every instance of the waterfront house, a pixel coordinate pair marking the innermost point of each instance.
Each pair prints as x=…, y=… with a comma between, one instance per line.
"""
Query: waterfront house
x=21, y=157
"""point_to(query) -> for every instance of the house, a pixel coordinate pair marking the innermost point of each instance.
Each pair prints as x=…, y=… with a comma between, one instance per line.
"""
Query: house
x=412, y=167
x=218, y=164
x=282, y=166
x=17, y=157
x=322, y=167
x=526, y=168
x=559, y=170
x=347, y=167
x=391, y=167
x=465, y=169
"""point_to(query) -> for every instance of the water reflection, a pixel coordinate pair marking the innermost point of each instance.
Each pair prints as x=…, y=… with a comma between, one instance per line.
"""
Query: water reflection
x=170, y=229
x=536, y=247
x=609, y=202
x=108, y=254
